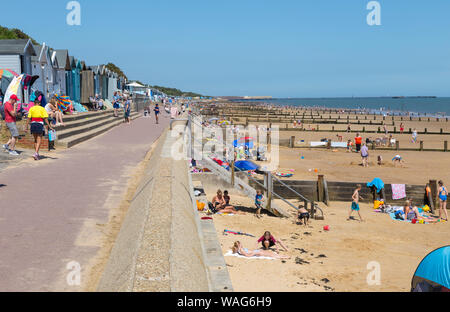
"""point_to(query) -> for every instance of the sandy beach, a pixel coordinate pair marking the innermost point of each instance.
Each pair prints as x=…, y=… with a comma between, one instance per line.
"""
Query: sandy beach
x=337, y=260
x=328, y=261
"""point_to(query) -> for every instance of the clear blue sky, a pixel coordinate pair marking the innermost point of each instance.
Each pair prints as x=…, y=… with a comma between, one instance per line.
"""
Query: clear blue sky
x=286, y=48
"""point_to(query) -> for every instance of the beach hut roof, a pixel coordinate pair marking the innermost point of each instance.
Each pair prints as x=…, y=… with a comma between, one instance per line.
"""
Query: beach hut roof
x=63, y=59
x=17, y=46
x=135, y=85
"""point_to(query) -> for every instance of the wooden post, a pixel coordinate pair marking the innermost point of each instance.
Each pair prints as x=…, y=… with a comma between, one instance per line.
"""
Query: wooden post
x=445, y=146
x=320, y=188
x=269, y=191
x=313, y=210
x=397, y=145
x=434, y=192
x=232, y=174
x=421, y=146
x=329, y=144
x=292, y=142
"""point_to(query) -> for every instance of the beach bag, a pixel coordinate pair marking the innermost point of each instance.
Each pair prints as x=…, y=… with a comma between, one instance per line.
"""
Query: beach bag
x=200, y=206
x=211, y=208
x=377, y=204
x=52, y=136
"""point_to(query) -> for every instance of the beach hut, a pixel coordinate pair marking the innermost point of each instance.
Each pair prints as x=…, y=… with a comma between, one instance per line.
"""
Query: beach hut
x=112, y=85
x=103, y=81
x=16, y=55
x=87, y=85
x=433, y=273
x=73, y=80
x=97, y=79
x=62, y=57
x=43, y=66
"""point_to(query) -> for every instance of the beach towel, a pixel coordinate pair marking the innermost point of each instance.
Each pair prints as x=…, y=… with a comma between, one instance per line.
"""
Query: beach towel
x=398, y=191
x=339, y=144
x=422, y=214
x=378, y=183
x=316, y=144
x=231, y=254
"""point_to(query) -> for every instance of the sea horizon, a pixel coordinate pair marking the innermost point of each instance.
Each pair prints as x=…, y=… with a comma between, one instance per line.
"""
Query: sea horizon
x=398, y=105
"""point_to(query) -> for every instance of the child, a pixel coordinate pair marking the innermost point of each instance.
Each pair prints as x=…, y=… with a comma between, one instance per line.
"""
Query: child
x=380, y=160
x=303, y=215
x=349, y=146
x=258, y=203
x=397, y=160
x=355, y=203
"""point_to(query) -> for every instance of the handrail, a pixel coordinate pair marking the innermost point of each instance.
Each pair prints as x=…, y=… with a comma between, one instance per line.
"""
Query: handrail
x=288, y=187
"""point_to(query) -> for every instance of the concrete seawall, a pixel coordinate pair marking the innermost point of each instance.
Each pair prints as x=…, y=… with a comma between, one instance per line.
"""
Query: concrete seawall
x=160, y=245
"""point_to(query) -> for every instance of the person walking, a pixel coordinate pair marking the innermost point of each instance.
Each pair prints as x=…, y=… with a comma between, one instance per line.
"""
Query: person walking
x=156, y=110
x=10, y=108
x=365, y=155
x=37, y=115
x=355, y=203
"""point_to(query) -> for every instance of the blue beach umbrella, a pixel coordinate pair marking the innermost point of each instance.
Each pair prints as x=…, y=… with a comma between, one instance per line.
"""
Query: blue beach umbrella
x=245, y=165
x=433, y=273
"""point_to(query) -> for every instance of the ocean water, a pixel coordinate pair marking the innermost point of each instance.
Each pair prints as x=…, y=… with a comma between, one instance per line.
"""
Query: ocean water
x=398, y=106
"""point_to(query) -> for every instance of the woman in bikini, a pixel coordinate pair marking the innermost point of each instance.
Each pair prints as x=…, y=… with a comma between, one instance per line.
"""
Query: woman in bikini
x=239, y=249
x=443, y=194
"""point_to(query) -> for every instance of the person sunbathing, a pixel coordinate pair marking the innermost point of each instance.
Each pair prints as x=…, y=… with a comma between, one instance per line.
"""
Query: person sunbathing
x=412, y=212
x=238, y=248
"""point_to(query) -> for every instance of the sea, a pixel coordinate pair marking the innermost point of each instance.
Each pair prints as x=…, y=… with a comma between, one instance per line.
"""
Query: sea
x=412, y=106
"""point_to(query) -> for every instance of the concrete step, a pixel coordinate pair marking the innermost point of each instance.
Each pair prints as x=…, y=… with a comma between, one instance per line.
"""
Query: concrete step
x=78, y=116
x=63, y=134
x=85, y=133
x=74, y=123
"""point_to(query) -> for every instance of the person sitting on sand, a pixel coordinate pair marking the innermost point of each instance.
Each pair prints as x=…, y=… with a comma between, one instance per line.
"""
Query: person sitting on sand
x=238, y=248
x=412, y=213
x=221, y=205
x=268, y=241
x=303, y=215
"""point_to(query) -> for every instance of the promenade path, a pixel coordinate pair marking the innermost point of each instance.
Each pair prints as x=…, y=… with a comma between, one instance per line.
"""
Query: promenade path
x=52, y=211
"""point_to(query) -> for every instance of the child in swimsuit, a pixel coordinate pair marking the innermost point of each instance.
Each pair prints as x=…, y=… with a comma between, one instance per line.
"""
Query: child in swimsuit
x=258, y=203
x=303, y=215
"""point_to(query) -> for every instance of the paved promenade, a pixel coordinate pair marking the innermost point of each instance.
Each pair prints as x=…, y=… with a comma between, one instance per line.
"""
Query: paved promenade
x=50, y=211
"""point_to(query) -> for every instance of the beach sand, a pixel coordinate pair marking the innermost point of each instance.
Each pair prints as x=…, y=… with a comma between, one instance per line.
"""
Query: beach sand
x=419, y=167
x=336, y=260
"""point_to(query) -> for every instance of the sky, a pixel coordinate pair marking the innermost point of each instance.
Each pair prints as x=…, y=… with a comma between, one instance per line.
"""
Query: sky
x=285, y=48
